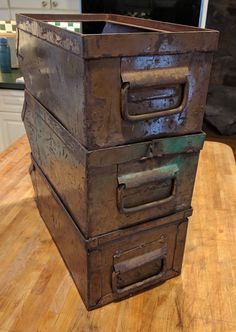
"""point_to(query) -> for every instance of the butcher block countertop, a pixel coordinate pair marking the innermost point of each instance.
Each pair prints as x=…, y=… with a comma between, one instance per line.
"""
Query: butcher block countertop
x=38, y=294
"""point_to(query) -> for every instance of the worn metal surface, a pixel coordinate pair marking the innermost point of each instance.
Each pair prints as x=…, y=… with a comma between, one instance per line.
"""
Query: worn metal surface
x=111, y=89
x=166, y=38
x=113, y=188
x=117, y=264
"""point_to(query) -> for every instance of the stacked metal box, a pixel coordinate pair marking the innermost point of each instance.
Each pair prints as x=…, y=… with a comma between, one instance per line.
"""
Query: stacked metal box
x=114, y=122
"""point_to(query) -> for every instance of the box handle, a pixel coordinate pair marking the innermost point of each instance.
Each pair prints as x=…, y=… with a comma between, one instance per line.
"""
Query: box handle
x=163, y=77
x=137, y=262
x=137, y=179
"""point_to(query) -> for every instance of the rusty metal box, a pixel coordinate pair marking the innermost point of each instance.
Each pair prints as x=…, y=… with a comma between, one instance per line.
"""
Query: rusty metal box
x=115, y=265
x=147, y=80
x=112, y=188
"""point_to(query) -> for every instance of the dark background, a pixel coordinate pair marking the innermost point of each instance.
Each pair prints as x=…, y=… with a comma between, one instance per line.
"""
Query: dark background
x=179, y=11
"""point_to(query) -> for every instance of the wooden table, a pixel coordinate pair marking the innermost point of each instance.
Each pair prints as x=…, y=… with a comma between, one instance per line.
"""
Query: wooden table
x=38, y=294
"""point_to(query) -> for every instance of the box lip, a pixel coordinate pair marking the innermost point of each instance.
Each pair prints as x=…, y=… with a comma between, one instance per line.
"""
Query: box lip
x=148, y=149
x=133, y=44
x=115, y=18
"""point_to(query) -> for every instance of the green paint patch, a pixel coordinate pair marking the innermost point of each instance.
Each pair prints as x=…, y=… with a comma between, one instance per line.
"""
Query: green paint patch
x=188, y=143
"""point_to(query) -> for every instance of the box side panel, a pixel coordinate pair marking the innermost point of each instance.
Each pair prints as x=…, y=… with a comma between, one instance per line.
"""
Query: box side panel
x=56, y=78
x=67, y=238
x=59, y=156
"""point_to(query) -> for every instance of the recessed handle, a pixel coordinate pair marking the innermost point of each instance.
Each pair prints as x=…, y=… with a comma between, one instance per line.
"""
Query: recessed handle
x=140, y=178
x=139, y=262
x=159, y=78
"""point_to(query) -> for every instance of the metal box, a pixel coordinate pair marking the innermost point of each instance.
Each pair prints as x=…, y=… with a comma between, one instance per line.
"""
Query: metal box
x=117, y=264
x=113, y=188
x=129, y=81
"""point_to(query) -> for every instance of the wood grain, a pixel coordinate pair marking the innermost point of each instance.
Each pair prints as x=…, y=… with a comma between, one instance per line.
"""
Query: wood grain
x=38, y=294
